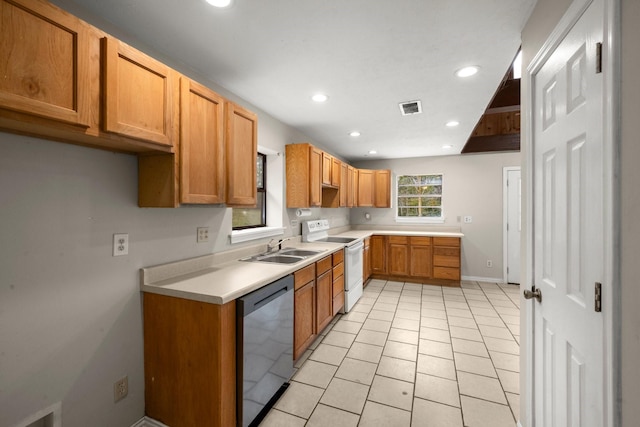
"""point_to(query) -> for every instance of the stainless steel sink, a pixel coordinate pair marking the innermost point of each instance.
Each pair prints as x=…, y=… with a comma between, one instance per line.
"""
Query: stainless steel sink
x=299, y=252
x=285, y=256
x=274, y=258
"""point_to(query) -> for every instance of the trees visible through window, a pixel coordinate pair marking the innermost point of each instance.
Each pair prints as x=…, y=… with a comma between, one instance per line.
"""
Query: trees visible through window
x=244, y=218
x=419, y=197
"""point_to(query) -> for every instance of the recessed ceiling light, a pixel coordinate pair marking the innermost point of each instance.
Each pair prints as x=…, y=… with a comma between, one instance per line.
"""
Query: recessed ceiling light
x=447, y=147
x=319, y=97
x=467, y=71
x=355, y=133
x=373, y=152
x=219, y=3
x=452, y=123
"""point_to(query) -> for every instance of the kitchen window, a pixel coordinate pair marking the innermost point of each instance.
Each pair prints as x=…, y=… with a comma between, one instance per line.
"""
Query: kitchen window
x=419, y=198
x=244, y=218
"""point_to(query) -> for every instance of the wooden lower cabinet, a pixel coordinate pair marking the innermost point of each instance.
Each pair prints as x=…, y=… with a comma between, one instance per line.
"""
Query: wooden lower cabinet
x=338, y=281
x=324, y=300
x=420, y=264
x=318, y=297
x=304, y=306
x=366, y=261
x=446, y=258
x=398, y=256
x=378, y=248
x=414, y=259
x=189, y=361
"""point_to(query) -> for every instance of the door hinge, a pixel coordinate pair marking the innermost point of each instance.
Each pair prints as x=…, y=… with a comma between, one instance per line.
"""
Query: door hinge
x=598, y=58
x=507, y=226
x=507, y=270
x=598, y=303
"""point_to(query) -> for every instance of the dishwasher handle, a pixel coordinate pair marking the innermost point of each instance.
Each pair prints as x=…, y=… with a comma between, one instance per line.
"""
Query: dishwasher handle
x=263, y=296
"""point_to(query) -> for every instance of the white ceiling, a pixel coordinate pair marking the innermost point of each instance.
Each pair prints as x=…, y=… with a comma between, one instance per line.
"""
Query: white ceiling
x=367, y=55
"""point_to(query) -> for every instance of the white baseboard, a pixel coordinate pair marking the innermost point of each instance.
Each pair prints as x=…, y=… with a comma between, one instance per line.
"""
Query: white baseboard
x=483, y=279
x=148, y=422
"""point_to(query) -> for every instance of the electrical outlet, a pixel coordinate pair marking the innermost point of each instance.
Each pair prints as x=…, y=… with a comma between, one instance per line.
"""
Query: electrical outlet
x=294, y=223
x=468, y=219
x=120, y=244
x=489, y=263
x=121, y=388
x=203, y=234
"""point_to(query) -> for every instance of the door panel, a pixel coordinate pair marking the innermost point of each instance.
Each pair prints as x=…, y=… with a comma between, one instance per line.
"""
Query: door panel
x=568, y=229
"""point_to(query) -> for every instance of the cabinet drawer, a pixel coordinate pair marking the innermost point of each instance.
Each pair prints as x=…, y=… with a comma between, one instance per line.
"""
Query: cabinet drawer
x=323, y=265
x=446, y=241
x=449, y=273
x=338, y=257
x=420, y=240
x=304, y=276
x=338, y=270
x=446, y=257
x=338, y=285
x=398, y=239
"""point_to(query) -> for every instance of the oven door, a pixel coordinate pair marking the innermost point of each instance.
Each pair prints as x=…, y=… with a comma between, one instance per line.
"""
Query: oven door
x=353, y=265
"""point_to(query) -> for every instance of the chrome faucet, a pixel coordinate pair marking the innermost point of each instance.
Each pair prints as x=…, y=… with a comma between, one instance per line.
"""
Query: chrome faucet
x=273, y=243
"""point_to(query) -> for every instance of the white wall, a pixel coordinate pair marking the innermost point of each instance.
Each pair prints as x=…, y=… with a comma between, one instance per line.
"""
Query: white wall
x=472, y=186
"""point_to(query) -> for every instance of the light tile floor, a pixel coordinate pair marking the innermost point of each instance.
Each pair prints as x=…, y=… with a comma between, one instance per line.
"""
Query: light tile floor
x=412, y=355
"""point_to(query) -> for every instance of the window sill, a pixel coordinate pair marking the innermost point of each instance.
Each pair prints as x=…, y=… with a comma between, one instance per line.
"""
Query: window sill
x=255, y=234
x=420, y=220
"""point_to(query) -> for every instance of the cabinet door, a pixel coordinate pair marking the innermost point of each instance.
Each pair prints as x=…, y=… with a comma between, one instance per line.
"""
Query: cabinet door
x=201, y=144
x=241, y=151
x=336, y=166
x=344, y=185
x=365, y=187
x=45, y=62
x=324, y=300
x=315, y=177
x=350, y=186
x=140, y=94
x=382, y=198
x=420, y=264
x=398, y=256
x=327, y=162
x=378, y=250
x=303, y=319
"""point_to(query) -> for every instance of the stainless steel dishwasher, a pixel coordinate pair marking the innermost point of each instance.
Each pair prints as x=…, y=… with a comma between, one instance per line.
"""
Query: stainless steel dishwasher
x=264, y=348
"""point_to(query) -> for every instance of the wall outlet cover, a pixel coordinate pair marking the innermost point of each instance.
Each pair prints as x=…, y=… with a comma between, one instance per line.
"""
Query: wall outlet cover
x=120, y=244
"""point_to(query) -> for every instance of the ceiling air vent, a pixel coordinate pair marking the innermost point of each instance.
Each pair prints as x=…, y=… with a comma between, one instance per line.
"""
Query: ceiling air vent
x=410, y=107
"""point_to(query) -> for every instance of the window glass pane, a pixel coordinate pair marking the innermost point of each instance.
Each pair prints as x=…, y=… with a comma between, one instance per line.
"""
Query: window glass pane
x=260, y=171
x=420, y=196
x=254, y=217
x=249, y=217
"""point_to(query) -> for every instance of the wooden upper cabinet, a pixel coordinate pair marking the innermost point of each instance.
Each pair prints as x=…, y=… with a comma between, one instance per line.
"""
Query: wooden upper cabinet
x=241, y=151
x=382, y=186
x=140, y=94
x=344, y=185
x=201, y=144
x=45, y=65
x=365, y=188
x=327, y=164
x=303, y=176
x=352, y=198
x=336, y=174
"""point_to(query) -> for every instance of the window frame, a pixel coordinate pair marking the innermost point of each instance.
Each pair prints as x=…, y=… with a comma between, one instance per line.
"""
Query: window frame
x=263, y=190
x=419, y=219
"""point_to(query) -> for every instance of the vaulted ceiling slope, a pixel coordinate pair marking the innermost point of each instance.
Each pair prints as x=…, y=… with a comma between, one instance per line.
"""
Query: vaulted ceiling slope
x=366, y=55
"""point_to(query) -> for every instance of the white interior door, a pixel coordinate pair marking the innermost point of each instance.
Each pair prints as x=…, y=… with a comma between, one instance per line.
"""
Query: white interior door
x=514, y=224
x=568, y=343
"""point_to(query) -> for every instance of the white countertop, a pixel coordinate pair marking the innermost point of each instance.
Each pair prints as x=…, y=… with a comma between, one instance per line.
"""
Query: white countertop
x=217, y=280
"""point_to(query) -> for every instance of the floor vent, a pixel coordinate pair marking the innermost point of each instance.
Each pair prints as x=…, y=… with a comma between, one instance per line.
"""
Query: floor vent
x=409, y=108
